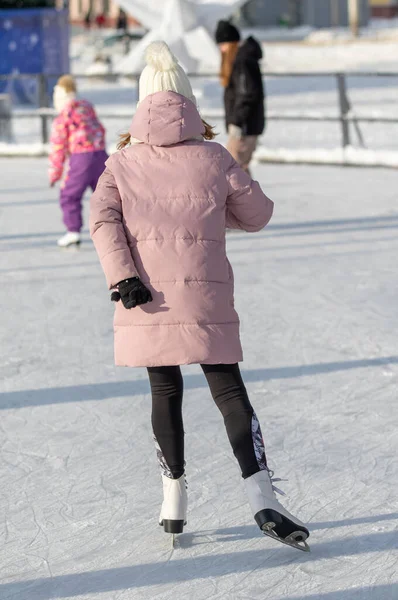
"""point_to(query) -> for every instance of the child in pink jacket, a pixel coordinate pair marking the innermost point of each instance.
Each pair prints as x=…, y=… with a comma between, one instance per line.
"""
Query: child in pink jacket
x=77, y=135
x=158, y=221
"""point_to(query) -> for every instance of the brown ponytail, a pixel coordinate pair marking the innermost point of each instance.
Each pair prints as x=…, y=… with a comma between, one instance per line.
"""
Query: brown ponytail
x=227, y=62
x=124, y=140
x=209, y=134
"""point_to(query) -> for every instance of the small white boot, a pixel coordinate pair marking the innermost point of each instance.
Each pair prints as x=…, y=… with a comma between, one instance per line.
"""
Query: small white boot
x=173, y=515
x=272, y=518
x=69, y=239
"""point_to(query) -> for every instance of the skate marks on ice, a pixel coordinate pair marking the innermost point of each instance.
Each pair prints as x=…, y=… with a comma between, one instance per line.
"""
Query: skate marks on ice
x=301, y=240
x=177, y=569
x=249, y=532
x=27, y=203
x=302, y=228
x=377, y=592
x=294, y=541
x=22, y=245
x=354, y=521
x=56, y=267
x=137, y=387
x=93, y=527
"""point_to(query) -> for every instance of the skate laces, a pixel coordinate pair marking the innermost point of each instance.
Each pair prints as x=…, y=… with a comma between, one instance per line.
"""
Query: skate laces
x=273, y=480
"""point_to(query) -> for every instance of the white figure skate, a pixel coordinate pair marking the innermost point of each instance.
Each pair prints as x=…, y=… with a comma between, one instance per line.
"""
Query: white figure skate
x=173, y=515
x=71, y=238
x=272, y=518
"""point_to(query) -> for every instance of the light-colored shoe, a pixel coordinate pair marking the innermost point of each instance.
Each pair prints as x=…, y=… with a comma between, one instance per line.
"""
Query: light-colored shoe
x=69, y=239
x=273, y=518
x=173, y=515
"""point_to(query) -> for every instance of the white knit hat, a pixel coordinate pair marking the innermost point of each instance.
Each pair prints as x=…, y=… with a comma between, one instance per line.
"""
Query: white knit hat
x=163, y=73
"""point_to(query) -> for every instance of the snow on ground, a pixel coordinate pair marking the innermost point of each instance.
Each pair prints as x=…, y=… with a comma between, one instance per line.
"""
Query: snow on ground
x=80, y=488
x=348, y=156
x=369, y=95
x=377, y=30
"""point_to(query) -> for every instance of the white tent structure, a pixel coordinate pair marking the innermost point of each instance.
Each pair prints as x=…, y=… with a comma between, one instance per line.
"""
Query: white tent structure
x=186, y=25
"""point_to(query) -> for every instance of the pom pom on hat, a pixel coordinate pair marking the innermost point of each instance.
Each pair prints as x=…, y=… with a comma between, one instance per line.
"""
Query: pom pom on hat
x=163, y=73
x=159, y=56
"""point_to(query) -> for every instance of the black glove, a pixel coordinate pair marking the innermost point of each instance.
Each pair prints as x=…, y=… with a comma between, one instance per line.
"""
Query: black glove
x=132, y=292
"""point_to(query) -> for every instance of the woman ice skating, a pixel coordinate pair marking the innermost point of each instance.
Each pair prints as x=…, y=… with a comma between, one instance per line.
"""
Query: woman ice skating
x=244, y=91
x=77, y=135
x=158, y=220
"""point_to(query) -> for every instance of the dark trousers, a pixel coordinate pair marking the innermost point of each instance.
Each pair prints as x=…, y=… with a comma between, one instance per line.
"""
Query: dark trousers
x=229, y=394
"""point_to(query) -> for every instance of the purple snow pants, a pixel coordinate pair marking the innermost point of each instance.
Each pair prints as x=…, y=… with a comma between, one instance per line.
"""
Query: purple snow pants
x=84, y=171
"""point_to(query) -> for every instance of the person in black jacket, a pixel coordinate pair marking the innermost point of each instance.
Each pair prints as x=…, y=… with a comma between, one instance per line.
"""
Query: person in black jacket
x=244, y=91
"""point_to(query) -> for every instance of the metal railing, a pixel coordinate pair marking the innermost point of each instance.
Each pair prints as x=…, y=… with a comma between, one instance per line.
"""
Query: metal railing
x=345, y=117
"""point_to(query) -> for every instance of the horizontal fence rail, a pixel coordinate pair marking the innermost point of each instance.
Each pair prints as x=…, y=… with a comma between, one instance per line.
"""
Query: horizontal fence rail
x=219, y=114
x=345, y=115
x=205, y=75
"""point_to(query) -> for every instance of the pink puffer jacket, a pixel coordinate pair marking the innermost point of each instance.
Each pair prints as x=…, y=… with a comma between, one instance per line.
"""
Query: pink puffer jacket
x=160, y=211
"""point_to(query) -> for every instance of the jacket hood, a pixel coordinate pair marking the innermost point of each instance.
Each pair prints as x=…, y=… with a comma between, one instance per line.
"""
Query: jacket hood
x=166, y=118
x=62, y=97
x=250, y=49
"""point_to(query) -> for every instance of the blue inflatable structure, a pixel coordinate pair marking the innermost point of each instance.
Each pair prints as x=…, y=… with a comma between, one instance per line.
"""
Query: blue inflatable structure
x=32, y=41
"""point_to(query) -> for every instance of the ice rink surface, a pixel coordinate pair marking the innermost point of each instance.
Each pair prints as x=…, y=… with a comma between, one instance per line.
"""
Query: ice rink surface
x=80, y=488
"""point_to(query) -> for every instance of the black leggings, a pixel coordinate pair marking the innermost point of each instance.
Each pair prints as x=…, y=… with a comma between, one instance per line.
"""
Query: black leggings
x=229, y=393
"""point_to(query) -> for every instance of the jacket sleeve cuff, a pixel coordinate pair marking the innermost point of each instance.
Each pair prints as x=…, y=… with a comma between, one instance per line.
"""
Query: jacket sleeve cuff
x=118, y=265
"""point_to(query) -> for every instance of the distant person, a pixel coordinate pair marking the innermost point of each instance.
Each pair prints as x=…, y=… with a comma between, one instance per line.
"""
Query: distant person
x=122, y=21
x=100, y=20
x=244, y=91
x=87, y=20
x=158, y=219
x=295, y=8
x=102, y=65
x=126, y=43
x=77, y=135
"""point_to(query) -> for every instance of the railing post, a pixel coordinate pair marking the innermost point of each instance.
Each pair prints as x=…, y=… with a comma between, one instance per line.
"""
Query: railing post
x=43, y=103
x=353, y=16
x=335, y=13
x=344, y=109
x=5, y=118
